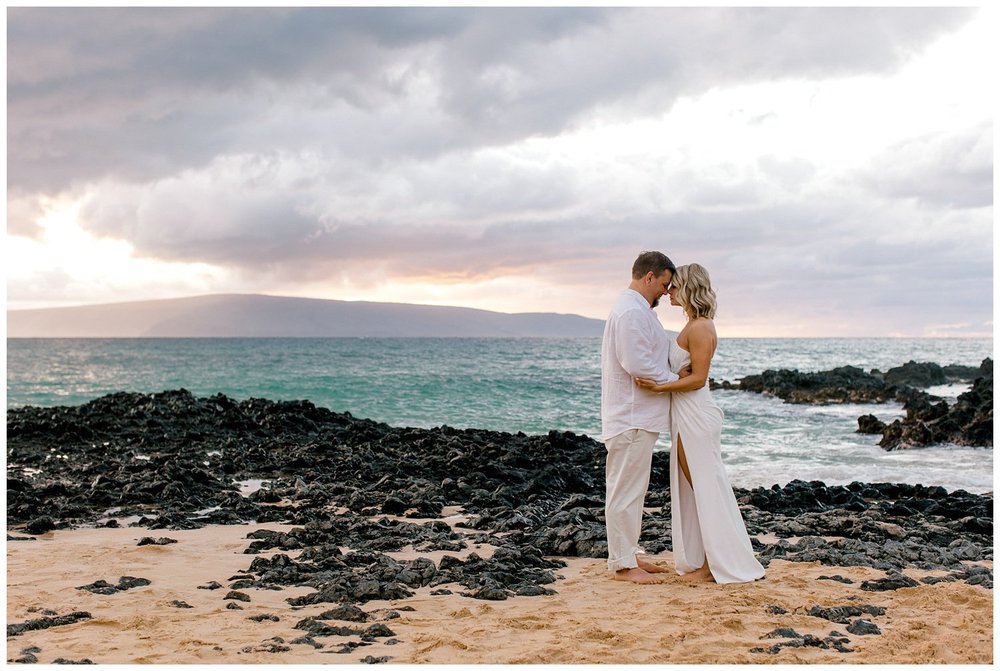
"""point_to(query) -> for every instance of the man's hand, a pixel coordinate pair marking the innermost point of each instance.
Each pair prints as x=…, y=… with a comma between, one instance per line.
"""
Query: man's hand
x=650, y=385
x=684, y=372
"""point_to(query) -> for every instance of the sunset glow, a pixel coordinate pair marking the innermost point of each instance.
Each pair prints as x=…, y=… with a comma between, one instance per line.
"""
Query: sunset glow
x=817, y=172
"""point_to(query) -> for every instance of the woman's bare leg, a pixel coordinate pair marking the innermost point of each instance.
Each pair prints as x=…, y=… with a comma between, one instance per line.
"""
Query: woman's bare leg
x=682, y=460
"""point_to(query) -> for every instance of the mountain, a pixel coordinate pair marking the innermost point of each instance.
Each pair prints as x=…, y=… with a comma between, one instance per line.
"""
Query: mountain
x=252, y=315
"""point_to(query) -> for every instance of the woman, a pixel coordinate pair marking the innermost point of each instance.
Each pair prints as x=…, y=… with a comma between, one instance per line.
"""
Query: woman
x=709, y=536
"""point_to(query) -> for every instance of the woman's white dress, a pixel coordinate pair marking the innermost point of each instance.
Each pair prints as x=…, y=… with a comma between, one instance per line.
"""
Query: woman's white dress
x=705, y=519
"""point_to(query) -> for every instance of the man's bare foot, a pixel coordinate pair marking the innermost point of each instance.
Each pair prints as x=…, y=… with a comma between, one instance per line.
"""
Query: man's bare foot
x=703, y=574
x=650, y=567
x=637, y=575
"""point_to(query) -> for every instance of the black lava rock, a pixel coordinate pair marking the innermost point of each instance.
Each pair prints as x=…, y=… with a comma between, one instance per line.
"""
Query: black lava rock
x=347, y=613
x=863, y=628
x=28, y=655
x=924, y=375
x=45, y=622
x=846, y=384
x=531, y=497
x=928, y=422
x=870, y=424
x=893, y=581
x=843, y=614
x=124, y=583
x=40, y=525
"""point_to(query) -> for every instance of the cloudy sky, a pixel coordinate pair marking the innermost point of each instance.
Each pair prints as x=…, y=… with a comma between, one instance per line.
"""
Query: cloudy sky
x=831, y=167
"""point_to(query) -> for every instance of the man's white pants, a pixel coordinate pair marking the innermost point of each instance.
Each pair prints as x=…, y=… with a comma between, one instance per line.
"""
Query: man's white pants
x=630, y=456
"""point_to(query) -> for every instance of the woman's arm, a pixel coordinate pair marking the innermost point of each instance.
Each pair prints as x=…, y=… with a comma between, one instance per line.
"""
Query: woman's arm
x=701, y=345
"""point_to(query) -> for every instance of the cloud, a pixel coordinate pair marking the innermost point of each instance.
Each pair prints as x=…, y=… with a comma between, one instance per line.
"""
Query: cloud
x=490, y=148
x=23, y=212
x=941, y=170
x=139, y=94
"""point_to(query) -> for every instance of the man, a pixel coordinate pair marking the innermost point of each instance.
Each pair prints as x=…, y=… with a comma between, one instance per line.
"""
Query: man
x=634, y=345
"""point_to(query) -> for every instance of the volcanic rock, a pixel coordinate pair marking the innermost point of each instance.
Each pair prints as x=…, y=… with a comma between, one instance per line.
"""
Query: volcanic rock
x=846, y=384
x=307, y=640
x=782, y=632
x=863, y=628
x=843, y=614
x=377, y=630
x=347, y=613
x=273, y=645
x=924, y=375
x=28, y=655
x=19, y=628
x=968, y=422
x=929, y=420
x=870, y=424
x=40, y=525
x=808, y=640
x=529, y=497
x=125, y=582
x=895, y=580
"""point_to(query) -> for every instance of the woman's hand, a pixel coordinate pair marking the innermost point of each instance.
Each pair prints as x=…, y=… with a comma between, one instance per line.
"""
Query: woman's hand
x=650, y=385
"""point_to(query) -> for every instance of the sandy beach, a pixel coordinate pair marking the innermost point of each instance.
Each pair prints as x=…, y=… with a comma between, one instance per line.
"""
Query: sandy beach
x=438, y=546
x=591, y=619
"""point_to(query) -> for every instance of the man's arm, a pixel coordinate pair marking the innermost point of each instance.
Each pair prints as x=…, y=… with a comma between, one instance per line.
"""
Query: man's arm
x=701, y=340
x=634, y=347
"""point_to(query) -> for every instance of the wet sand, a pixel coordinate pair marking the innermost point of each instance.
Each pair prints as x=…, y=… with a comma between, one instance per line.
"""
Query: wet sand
x=592, y=619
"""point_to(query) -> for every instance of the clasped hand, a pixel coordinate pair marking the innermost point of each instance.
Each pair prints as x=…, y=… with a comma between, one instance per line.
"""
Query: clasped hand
x=653, y=385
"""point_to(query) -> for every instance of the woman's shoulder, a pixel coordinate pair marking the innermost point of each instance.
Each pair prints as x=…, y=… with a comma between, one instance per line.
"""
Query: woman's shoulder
x=700, y=329
x=702, y=324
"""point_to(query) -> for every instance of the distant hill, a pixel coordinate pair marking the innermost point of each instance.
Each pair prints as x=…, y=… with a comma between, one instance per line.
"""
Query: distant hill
x=251, y=315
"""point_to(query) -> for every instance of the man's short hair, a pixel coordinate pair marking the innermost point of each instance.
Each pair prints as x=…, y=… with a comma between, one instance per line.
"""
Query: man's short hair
x=655, y=262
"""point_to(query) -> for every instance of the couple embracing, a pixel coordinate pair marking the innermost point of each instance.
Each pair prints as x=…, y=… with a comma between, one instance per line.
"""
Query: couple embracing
x=651, y=384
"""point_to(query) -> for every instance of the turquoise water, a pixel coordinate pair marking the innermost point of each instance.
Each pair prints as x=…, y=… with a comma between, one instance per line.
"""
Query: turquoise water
x=518, y=384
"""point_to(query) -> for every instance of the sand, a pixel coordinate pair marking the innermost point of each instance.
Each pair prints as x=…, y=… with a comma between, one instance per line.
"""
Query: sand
x=592, y=619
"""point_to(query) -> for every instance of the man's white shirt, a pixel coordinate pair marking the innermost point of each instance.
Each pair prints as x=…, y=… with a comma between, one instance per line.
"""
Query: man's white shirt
x=635, y=345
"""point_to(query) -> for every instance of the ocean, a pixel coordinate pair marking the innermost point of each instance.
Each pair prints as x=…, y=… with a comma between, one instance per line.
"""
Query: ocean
x=532, y=385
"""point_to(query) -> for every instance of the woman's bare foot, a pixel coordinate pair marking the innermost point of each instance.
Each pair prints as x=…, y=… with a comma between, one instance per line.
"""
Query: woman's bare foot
x=637, y=575
x=650, y=567
x=703, y=574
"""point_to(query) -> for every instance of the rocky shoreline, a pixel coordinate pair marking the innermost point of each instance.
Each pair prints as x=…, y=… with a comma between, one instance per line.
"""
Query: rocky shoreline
x=174, y=461
x=929, y=420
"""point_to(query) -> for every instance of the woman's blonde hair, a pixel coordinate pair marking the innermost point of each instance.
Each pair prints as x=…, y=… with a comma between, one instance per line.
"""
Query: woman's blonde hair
x=694, y=291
